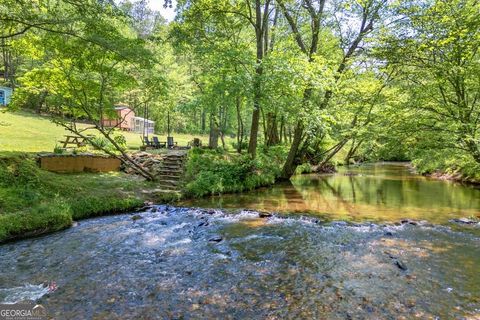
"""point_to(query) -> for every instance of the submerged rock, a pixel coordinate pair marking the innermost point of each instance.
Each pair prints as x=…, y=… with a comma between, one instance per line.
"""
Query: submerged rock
x=203, y=224
x=401, y=265
x=464, y=221
x=264, y=214
x=136, y=217
x=216, y=239
x=408, y=221
x=144, y=208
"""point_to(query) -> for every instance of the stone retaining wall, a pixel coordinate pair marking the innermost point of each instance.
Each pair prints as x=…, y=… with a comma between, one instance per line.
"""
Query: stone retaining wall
x=78, y=163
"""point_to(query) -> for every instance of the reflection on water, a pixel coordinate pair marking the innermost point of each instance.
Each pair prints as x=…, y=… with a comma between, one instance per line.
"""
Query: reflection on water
x=181, y=263
x=378, y=192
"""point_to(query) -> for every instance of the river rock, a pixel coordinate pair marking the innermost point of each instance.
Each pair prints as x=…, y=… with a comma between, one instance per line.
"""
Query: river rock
x=463, y=221
x=143, y=209
x=215, y=239
x=136, y=217
x=401, y=265
x=408, y=221
x=339, y=223
x=264, y=214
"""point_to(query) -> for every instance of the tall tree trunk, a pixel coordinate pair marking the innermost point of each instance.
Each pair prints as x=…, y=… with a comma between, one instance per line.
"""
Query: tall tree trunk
x=41, y=101
x=261, y=24
x=282, y=128
x=252, y=145
x=213, y=136
x=204, y=120
x=239, y=124
x=272, y=137
x=264, y=125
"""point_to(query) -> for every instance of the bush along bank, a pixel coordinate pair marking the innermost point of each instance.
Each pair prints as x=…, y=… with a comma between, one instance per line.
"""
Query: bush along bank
x=211, y=172
x=34, y=201
x=455, y=167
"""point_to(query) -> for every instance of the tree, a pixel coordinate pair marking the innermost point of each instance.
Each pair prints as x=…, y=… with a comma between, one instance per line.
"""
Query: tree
x=365, y=13
x=438, y=56
x=85, y=75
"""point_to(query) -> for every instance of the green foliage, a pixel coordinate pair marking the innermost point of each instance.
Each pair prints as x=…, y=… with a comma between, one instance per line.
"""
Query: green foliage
x=456, y=165
x=58, y=150
x=36, y=201
x=304, y=168
x=217, y=172
x=52, y=216
x=93, y=205
x=244, y=145
x=19, y=171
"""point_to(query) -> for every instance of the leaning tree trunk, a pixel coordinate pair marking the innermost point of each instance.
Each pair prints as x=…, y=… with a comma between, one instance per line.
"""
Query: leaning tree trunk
x=123, y=156
x=290, y=164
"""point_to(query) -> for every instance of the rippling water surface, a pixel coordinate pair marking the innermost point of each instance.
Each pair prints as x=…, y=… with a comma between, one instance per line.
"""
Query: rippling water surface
x=183, y=263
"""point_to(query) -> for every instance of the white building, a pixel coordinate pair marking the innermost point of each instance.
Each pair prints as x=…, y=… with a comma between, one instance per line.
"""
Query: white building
x=143, y=126
x=5, y=95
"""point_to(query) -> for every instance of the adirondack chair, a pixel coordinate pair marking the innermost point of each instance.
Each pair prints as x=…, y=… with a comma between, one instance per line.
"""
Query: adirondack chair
x=157, y=144
x=170, y=143
x=147, y=142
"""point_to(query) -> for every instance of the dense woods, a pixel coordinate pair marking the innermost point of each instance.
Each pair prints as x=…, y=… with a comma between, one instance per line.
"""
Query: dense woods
x=327, y=80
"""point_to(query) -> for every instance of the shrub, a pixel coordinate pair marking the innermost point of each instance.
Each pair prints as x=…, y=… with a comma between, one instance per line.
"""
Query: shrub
x=217, y=172
x=304, y=168
x=244, y=145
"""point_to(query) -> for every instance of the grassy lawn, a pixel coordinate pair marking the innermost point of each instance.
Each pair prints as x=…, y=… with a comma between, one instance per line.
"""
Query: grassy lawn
x=28, y=132
x=34, y=201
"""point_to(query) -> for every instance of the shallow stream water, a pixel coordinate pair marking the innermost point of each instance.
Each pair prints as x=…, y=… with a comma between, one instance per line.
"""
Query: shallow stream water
x=192, y=263
x=375, y=192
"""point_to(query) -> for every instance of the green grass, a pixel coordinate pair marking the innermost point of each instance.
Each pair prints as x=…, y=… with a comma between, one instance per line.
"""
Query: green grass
x=34, y=201
x=28, y=132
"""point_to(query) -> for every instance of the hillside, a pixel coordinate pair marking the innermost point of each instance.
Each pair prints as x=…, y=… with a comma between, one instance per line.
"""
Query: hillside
x=28, y=132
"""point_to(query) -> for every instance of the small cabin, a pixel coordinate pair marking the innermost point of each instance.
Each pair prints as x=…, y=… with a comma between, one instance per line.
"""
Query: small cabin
x=5, y=95
x=123, y=120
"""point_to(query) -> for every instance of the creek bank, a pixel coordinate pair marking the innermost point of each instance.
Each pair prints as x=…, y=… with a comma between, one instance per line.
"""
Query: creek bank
x=35, y=202
x=456, y=177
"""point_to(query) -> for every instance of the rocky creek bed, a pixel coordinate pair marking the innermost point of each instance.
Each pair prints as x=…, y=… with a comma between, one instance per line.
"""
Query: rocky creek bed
x=171, y=262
